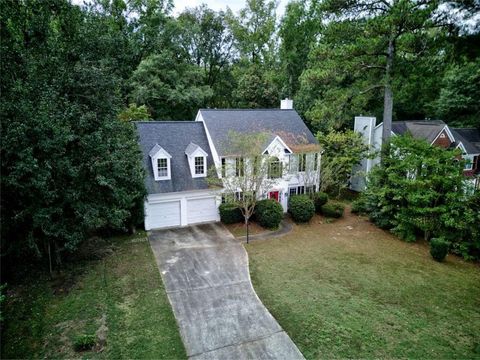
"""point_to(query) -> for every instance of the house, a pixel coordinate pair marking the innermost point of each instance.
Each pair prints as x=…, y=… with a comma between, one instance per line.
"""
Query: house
x=436, y=132
x=178, y=154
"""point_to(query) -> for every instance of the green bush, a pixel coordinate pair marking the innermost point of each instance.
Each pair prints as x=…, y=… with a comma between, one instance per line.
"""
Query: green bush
x=84, y=342
x=439, y=248
x=320, y=199
x=269, y=213
x=333, y=209
x=359, y=206
x=230, y=214
x=301, y=208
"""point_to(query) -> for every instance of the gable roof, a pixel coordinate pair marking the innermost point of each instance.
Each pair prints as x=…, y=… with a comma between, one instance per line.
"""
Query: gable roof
x=174, y=137
x=469, y=137
x=420, y=129
x=286, y=124
x=156, y=149
x=191, y=148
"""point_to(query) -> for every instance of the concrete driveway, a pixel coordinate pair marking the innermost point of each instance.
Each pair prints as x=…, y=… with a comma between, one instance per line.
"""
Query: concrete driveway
x=205, y=271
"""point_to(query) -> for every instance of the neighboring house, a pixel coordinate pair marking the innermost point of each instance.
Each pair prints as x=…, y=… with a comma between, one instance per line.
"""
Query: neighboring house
x=436, y=132
x=178, y=154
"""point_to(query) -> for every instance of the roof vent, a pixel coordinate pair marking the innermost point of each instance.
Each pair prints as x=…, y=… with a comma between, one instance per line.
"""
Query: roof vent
x=286, y=104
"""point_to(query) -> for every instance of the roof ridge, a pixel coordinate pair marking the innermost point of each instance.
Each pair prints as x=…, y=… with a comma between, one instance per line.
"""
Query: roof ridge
x=427, y=121
x=237, y=109
x=166, y=121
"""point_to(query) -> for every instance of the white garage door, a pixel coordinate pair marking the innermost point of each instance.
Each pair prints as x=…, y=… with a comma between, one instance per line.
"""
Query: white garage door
x=200, y=210
x=163, y=214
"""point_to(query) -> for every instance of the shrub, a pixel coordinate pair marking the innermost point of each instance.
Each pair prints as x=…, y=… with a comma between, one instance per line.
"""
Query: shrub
x=230, y=214
x=359, y=206
x=269, y=213
x=301, y=207
x=439, y=248
x=333, y=209
x=84, y=342
x=320, y=199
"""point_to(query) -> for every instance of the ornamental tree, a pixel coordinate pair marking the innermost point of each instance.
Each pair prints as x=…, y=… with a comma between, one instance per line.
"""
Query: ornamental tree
x=246, y=173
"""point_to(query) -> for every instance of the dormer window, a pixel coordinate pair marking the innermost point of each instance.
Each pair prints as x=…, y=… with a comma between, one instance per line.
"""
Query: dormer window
x=160, y=163
x=162, y=167
x=199, y=165
x=197, y=160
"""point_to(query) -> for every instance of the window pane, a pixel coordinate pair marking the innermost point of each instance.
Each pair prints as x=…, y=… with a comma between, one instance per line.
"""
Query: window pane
x=199, y=165
x=162, y=166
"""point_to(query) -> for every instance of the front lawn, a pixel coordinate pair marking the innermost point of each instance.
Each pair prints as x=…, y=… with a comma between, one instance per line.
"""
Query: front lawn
x=123, y=292
x=346, y=289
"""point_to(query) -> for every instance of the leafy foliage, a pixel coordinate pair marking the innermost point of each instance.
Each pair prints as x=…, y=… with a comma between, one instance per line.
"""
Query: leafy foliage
x=333, y=209
x=320, y=199
x=169, y=86
x=301, y=208
x=84, y=342
x=69, y=167
x=269, y=213
x=134, y=113
x=421, y=188
x=458, y=99
x=230, y=213
x=341, y=151
x=439, y=248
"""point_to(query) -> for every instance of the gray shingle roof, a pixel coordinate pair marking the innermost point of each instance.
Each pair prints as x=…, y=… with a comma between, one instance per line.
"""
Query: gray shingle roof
x=174, y=137
x=469, y=137
x=284, y=123
x=191, y=149
x=420, y=129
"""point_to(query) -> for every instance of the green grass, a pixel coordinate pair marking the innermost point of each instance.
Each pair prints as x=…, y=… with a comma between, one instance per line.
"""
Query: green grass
x=346, y=289
x=124, y=289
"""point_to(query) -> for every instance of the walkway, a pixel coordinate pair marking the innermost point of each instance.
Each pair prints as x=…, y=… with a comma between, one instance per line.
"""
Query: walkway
x=205, y=271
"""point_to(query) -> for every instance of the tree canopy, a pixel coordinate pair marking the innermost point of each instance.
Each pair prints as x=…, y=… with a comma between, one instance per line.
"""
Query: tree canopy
x=71, y=73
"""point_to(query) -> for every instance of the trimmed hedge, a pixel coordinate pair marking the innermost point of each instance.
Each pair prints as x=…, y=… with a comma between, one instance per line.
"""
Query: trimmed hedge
x=333, y=209
x=269, y=213
x=320, y=199
x=301, y=208
x=439, y=248
x=230, y=214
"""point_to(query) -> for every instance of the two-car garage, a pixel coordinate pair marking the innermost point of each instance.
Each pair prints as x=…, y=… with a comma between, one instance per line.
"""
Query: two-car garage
x=180, y=210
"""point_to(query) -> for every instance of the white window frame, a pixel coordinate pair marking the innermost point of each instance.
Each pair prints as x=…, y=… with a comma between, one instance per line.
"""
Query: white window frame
x=196, y=166
x=157, y=153
x=163, y=168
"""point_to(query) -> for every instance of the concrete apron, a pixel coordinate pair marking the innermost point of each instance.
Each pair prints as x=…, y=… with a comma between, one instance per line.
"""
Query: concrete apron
x=205, y=272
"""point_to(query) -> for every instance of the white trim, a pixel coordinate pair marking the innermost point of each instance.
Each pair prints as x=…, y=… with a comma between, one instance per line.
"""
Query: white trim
x=460, y=144
x=213, y=149
x=182, y=197
x=156, y=153
x=449, y=134
x=281, y=142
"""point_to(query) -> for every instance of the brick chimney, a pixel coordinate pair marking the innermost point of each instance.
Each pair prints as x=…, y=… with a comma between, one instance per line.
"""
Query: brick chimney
x=286, y=104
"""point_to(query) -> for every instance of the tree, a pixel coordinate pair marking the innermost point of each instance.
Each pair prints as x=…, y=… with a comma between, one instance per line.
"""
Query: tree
x=205, y=37
x=172, y=88
x=340, y=152
x=356, y=60
x=256, y=87
x=298, y=30
x=69, y=167
x=253, y=30
x=247, y=174
x=134, y=113
x=458, y=100
x=418, y=187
